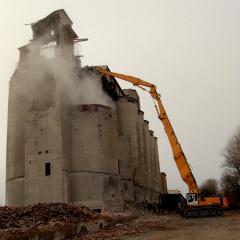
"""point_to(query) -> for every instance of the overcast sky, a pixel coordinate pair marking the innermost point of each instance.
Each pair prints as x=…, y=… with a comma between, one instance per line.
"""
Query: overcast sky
x=190, y=49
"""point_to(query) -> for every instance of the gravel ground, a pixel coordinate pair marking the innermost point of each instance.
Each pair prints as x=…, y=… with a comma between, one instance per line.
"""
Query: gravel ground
x=212, y=228
x=152, y=227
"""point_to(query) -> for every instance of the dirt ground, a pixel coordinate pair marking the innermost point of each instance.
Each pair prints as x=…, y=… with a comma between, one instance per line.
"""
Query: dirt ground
x=157, y=227
x=214, y=228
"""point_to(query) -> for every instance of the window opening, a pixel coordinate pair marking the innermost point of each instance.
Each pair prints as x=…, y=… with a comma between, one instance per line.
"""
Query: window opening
x=118, y=166
x=47, y=169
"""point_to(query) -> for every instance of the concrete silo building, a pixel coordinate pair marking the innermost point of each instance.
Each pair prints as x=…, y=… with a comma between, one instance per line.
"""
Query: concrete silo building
x=74, y=135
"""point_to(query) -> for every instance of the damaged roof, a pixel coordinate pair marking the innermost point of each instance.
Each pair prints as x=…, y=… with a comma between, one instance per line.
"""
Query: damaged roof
x=109, y=83
x=52, y=23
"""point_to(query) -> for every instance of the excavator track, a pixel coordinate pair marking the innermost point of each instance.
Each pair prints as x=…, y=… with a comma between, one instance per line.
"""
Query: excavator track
x=203, y=212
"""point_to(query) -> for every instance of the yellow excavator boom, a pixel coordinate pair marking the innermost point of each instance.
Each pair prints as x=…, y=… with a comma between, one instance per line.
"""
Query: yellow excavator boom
x=180, y=159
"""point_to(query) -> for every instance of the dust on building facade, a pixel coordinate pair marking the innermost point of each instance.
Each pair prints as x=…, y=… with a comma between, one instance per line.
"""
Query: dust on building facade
x=66, y=146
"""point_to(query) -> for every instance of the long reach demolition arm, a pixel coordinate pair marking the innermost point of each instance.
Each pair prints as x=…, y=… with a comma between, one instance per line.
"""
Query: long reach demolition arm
x=178, y=153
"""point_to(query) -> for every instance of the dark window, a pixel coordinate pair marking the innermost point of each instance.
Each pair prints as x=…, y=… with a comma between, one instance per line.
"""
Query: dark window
x=47, y=169
x=118, y=166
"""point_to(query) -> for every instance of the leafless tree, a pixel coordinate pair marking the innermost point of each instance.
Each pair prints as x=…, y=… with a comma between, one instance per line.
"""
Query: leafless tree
x=209, y=187
x=231, y=153
x=230, y=179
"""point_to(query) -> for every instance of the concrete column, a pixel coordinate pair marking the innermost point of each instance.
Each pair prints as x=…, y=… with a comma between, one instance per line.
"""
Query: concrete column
x=163, y=183
x=20, y=101
x=127, y=116
x=142, y=177
x=152, y=177
x=157, y=168
x=147, y=160
x=152, y=162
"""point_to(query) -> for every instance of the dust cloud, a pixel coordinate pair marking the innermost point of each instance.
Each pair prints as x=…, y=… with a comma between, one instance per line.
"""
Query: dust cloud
x=53, y=73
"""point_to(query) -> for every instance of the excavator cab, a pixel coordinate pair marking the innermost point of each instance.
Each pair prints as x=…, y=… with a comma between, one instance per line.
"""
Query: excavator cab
x=192, y=199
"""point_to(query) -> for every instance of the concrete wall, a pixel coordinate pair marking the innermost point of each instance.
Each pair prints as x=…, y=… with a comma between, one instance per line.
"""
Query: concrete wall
x=125, y=168
x=94, y=156
x=16, y=191
x=19, y=102
x=94, y=139
x=43, y=150
x=32, y=88
x=34, y=134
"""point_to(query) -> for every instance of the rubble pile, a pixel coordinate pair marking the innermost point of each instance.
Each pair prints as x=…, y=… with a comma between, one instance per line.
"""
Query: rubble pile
x=43, y=214
x=65, y=221
x=117, y=231
x=43, y=219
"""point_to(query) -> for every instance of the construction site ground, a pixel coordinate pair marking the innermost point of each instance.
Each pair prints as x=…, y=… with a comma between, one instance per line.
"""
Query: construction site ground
x=77, y=223
x=172, y=226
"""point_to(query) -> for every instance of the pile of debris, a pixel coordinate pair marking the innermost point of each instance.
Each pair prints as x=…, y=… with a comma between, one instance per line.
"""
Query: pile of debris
x=43, y=214
x=129, y=228
x=43, y=218
x=65, y=221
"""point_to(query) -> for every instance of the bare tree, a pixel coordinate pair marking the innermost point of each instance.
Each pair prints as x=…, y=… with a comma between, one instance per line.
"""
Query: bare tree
x=231, y=153
x=230, y=179
x=209, y=187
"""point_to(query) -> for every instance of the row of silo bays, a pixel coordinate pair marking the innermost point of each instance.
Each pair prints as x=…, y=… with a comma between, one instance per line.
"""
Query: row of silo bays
x=114, y=155
x=140, y=161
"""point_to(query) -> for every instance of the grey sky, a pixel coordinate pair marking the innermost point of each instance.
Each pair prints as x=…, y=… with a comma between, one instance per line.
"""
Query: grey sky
x=189, y=49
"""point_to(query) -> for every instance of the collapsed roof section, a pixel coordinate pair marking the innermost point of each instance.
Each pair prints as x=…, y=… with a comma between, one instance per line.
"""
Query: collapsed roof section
x=51, y=27
x=109, y=83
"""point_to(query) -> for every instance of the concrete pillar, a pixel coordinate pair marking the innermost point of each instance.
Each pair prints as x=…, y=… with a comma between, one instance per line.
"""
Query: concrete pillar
x=142, y=164
x=147, y=160
x=127, y=115
x=152, y=160
x=152, y=176
x=125, y=168
x=163, y=183
x=142, y=176
x=157, y=179
x=20, y=101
